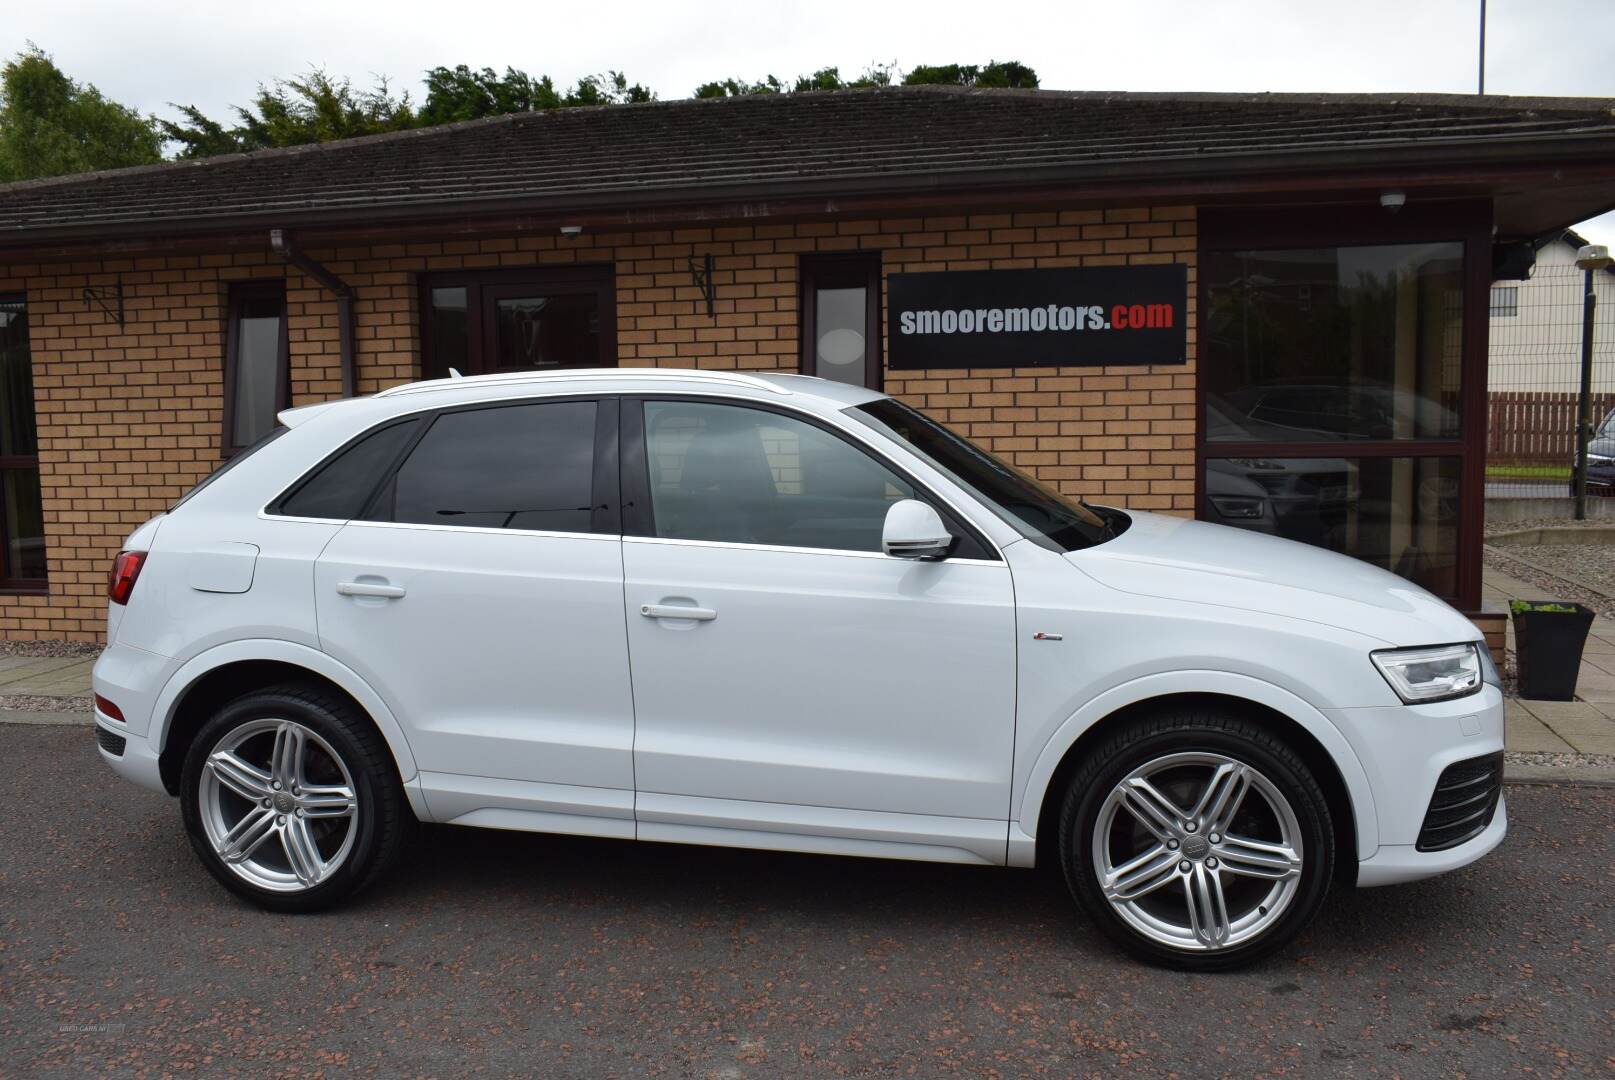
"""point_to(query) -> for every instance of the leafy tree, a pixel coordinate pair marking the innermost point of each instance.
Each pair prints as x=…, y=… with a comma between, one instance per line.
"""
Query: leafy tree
x=316, y=107
x=612, y=88
x=51, y=125
x=1009, y=73
x=459, y=93
x=740, y=88
x=200, y=136
x=826, y=78
x=295, y=112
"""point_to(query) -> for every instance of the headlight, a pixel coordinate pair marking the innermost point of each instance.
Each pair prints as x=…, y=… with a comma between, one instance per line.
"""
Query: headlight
x=1488, y=666
x=1431, y=673
x=1237, y=508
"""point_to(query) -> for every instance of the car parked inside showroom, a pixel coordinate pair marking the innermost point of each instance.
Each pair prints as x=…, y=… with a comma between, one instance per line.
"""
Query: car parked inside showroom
x=770, y=611
x=1600, y=460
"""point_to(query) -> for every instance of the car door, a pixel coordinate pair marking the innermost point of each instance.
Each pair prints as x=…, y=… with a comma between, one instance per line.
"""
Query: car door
x=793, y=685
x=481, y=595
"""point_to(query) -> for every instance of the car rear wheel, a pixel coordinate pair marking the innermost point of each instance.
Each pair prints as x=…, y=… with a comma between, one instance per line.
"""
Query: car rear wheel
x=290, y=800
x=1197, y=839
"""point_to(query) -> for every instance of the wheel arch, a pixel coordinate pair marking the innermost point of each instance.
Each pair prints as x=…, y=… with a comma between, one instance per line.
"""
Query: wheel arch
x=1321, y=745
x=226, y=672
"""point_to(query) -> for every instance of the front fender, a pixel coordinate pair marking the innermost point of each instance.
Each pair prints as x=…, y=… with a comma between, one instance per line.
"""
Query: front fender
x=291, y=653
x=1226, y=683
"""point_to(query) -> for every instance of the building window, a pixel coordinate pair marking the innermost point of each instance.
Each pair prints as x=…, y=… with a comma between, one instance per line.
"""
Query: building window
x=1505, y=301
x=256, y=383
x=22, y=518
x=518, y=320
x=840, y=307
x=1332, y=400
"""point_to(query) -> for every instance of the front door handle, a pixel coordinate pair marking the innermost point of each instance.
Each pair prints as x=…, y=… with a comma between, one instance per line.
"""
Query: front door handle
x=369, y=588
x=677, y=611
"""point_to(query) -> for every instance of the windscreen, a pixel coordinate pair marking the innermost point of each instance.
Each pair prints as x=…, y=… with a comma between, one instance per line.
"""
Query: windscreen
x=1035, y=509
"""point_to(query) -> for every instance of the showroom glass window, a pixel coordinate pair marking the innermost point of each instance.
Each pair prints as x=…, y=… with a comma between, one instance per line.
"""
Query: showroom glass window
x=256, y=383
x=22, y=520
x=1332, y=404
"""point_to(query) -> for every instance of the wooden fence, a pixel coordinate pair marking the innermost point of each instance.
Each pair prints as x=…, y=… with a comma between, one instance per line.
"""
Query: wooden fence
x=1534, y=428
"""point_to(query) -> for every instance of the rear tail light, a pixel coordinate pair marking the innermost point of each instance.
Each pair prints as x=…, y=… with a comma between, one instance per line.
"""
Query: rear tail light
x=125, y=569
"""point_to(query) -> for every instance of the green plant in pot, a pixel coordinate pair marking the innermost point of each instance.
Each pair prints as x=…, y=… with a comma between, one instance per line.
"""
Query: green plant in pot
x=1548, y=639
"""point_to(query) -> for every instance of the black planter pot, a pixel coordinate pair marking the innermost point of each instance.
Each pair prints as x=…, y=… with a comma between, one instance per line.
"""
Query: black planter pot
x=1547, y=649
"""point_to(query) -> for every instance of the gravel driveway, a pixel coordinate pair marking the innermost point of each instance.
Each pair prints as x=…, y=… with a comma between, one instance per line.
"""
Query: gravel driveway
x=507, y=954
x=1592, y=565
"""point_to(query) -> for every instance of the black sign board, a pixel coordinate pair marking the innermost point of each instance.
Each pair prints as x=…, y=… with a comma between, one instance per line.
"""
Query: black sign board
x=1077, y=316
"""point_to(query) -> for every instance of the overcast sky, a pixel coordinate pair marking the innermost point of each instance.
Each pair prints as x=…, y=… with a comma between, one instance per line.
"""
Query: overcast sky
x=213, y=54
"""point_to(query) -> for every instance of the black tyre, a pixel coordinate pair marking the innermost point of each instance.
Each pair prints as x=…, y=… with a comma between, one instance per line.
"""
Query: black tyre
x=291, y=800
x=1197, y=839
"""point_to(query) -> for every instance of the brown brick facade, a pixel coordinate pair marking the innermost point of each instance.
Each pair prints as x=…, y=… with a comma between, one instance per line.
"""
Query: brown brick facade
x=129, y=417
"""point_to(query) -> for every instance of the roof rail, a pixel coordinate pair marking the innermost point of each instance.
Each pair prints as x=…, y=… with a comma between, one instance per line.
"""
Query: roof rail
x=465, y=382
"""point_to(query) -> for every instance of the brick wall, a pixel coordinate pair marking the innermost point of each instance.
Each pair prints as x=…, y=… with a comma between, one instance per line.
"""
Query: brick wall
x=129, y=417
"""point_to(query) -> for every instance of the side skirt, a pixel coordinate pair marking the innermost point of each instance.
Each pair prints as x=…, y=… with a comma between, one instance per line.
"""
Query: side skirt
x=824, y=830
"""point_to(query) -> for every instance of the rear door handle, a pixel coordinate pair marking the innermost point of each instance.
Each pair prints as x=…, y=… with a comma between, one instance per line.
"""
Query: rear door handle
x=677, y=611
x=366, y=588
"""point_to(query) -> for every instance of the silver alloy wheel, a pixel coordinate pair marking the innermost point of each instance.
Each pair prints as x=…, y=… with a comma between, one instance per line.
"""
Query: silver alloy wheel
x=276, y=780
x=1188, y=858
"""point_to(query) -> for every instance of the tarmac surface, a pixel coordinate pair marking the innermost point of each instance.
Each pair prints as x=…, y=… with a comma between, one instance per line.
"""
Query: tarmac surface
x=508, y=954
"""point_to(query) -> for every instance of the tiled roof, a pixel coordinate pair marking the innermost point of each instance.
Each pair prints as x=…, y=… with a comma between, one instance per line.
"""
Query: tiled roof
x=842, y=143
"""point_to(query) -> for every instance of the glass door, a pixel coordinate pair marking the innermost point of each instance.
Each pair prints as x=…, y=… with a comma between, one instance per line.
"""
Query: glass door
x=518, y=320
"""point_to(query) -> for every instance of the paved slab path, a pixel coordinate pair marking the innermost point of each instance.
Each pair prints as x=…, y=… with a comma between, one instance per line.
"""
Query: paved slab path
x=1586, y=726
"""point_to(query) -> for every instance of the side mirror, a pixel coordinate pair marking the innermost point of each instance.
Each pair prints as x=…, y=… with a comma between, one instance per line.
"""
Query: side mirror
x=914, y=530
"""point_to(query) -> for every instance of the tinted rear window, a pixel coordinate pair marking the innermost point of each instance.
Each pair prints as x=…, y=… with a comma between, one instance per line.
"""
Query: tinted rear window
x=343, y=485
x=509, y=467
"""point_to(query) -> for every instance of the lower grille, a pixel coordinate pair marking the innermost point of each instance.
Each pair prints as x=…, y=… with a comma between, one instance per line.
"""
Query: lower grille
x=1463, y=804
x=110, y=741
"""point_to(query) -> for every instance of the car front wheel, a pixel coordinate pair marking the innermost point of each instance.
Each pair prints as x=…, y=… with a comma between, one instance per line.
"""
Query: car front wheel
x=1197, y=839
x=290, y=800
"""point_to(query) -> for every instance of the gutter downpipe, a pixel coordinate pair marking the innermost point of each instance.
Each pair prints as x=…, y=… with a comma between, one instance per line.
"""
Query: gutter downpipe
x=280, y=241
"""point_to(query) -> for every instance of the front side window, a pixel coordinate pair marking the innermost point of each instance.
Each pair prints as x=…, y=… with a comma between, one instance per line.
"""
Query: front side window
x=1035, y=509
x=506, y=467
x=748, y=476
x=256, y=384
x=22, y=518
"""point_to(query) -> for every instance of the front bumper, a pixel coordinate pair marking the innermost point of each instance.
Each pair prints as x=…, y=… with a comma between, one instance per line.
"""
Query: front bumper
x=1404, y=750
x=1394, y=864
